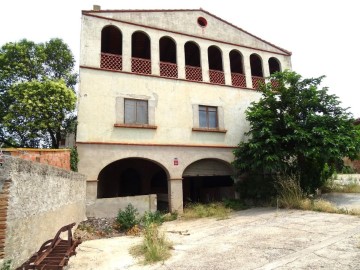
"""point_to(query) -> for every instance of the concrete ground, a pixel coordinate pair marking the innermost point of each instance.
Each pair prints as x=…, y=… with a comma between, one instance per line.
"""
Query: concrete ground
x=259, y=238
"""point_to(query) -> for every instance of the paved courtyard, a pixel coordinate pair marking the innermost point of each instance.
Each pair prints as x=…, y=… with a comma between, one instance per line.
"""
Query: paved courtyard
x=259, y=238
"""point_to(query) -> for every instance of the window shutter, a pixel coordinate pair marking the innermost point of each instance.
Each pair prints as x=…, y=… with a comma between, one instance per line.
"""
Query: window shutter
x=130, y=113
x=142, y=112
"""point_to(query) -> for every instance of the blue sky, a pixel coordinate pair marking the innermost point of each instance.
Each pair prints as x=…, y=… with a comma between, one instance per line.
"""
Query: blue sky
x=323, y=35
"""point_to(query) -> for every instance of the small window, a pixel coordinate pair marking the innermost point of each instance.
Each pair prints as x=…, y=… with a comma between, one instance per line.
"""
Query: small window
x=202, y=21
x=136, y=111
x=208, y=117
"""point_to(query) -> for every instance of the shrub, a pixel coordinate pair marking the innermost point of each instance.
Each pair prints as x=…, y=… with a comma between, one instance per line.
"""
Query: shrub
x=152, y=217
x=74, y=159
x=127, y=218
x=256, y=187
x=234, y=204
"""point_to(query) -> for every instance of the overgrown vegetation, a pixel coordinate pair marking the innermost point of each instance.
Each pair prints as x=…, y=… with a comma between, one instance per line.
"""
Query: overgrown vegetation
x=235, y=204
x=349, y=187
x=297, y=128
x=290, y=195
x=197, y=210
x=6, y=265
x=74, y=159
x=155, y=246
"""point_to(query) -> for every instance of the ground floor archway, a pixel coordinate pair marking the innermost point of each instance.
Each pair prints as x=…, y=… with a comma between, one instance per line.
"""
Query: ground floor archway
x=208, y=180
x=133, y=177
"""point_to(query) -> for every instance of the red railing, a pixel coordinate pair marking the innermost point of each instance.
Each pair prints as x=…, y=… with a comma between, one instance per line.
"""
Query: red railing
x=111, y=61
x=139, y=65
x=193, y=73
x=168, y=70
x=275, y=83
x=216, y=76
x=238, y=79
x=257, y=81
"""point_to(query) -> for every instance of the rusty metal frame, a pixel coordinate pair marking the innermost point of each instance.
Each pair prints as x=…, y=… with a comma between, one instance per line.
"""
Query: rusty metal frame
x=54, y=254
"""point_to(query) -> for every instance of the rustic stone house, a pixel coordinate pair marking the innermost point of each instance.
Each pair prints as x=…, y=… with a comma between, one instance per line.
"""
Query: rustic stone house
x=161, y=102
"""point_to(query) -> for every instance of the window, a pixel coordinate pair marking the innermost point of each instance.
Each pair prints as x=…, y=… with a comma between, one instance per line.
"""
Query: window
x=208, y=117
x=136, y=111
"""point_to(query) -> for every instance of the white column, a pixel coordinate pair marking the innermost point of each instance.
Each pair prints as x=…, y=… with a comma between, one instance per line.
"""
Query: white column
x=175, y=193
x=126, y=50
x=247, y=70
x=180, y=59
x=226, y=67
x=265, y=64
x=204, y=63
x=155, y=55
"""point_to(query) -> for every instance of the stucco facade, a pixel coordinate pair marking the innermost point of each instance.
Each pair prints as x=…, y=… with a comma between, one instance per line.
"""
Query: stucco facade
x=194, y=73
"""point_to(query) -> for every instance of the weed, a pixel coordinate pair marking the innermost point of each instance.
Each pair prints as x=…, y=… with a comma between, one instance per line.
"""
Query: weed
x=234, y=204
x=170, y=216
x=6, y=265
x=290, y=193
x=155, y=246
x=127, y=218
x=152, y=217
x=217, y=210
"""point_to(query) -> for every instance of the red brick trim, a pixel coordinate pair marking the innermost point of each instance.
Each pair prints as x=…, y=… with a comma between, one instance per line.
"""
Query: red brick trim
x=135, y=126
x=4, y=202
x=285, y=52
x=168, y=78
x=210, y=130
x=161, y=145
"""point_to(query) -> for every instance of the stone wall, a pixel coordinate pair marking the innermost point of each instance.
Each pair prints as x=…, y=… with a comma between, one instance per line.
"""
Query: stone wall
x=54, y=157
x=36, y=200
x=109, y=207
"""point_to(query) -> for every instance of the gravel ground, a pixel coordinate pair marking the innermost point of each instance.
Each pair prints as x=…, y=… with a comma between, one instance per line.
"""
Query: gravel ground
x=259, y=238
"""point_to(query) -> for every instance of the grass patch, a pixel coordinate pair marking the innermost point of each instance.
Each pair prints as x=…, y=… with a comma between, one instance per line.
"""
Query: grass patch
x=197, y=210
x=155, y=246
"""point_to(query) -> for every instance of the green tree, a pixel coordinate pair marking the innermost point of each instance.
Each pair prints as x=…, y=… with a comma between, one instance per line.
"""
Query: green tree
x=34, y=79
x=297, y=128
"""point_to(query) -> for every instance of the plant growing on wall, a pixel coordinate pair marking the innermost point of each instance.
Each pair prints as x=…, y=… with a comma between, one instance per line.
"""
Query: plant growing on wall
x=37, y=98
x=297, y=128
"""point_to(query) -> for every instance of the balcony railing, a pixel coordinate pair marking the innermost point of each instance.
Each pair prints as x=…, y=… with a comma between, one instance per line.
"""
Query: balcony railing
x=257, y=81
x=216, y=76
x=111, y=61
x=168, y=70
x=139, y=65
x=275, y=83
x=193, y=73
x=238, y=80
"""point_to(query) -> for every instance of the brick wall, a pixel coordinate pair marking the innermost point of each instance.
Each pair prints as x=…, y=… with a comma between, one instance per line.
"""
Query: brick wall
x=54, y=157
x=4, y=202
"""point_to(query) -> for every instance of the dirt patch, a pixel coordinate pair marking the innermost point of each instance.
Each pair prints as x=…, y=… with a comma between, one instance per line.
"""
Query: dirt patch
x=97, y=228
